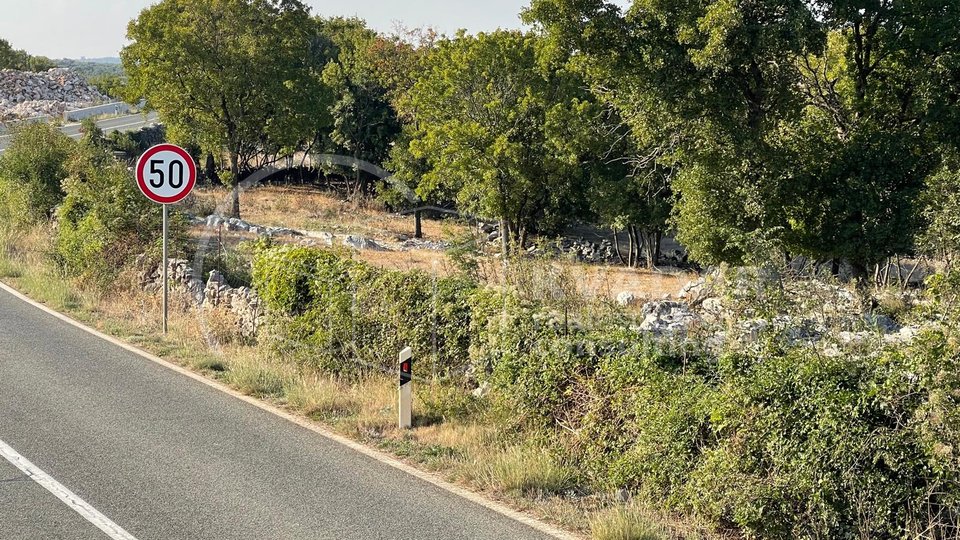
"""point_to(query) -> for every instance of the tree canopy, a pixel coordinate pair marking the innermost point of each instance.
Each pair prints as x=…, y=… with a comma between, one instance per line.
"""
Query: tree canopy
x=11, y=58
x=769, y=128
x=490, y=125
x=239, y=77
x=808, y=128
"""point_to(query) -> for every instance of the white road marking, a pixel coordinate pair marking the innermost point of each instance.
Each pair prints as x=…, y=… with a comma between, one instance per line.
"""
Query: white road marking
x=60, y=491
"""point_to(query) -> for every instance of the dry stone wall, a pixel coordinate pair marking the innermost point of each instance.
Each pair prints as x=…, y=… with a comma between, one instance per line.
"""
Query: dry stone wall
x=216, y=293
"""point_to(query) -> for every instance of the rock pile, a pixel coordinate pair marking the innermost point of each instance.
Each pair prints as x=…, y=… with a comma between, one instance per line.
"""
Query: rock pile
x=748, y=308
x=242, y=302
x=668, y=318
x=235, y=224
x=25, y=95
x=586, y=251
x=362, y=243
x=583, y=250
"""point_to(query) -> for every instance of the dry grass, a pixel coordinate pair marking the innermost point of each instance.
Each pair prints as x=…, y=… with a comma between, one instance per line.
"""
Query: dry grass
x=259, y=375
x=634, y=521
x=307, y=208
x=529, y=471
x=627, y=523
x=433, y=262
x=310, y=209
x=321, y=398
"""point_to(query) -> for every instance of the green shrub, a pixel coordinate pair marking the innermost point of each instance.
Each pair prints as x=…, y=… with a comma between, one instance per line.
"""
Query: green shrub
x=134, y=143
x=104, y=220
x=31, y=171
x=774, y=441
x=354, y=318
x=789, y=444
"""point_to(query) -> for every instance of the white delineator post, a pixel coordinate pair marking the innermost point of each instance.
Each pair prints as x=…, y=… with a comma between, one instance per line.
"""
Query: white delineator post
x=406, y=388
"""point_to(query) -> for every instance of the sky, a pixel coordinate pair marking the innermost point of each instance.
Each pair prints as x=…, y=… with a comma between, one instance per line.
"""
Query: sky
x=96, y=28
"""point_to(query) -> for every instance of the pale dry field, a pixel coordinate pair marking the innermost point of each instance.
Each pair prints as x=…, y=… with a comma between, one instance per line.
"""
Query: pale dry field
x=309, y=209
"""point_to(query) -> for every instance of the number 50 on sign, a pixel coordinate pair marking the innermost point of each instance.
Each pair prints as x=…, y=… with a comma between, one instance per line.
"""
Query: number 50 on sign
x=166, y=173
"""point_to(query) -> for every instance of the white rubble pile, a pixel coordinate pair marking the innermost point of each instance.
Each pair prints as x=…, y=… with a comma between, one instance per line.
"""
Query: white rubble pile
x=308, y=238
x=25, y=94
x=668, y=318
x=362, y=243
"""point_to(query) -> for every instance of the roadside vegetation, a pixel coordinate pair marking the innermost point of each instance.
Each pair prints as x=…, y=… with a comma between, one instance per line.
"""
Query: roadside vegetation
x=796, y=390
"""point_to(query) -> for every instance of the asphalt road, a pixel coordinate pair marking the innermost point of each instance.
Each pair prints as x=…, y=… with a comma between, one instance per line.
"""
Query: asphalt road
x=131, y=122
x=166, y=457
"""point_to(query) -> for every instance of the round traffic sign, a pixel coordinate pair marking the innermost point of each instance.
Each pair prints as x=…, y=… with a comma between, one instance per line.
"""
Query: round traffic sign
x=166, y=173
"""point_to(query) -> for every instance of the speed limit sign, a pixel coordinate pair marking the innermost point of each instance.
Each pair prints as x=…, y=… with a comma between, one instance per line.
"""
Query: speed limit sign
x=166, y=174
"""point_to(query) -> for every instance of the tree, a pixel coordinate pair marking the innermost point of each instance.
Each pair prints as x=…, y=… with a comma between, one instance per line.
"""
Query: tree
x=11, y=58
x=793, y=127
x=237, y=77
x=631, y=140
x=882, y=110
x=941, y=235
x=365, y=123
x=487, y=124
x=103, y=217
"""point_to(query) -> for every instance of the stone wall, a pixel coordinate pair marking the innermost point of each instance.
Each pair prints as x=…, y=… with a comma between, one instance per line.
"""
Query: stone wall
x=216, y=293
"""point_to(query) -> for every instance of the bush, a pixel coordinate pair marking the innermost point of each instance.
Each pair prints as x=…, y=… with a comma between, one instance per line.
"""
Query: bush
x=774, y=441
x=105, y=221
x=777, y=443
x=785, y=444
x=31, y=171
x=133, y=144
x=355, y=318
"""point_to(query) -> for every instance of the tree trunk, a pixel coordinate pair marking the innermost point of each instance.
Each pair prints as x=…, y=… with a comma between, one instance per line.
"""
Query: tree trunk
x=235, y=192
x=637, y=243
x=210, y=168
x=505, y=237
x=235, y=196
x=650, y=241
x=656, y=250
x=631, y=247
x=643, y=248
x=860, y=274
x=616, y=246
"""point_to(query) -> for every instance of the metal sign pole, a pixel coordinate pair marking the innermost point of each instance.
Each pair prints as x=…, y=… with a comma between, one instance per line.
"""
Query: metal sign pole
x=166, y=264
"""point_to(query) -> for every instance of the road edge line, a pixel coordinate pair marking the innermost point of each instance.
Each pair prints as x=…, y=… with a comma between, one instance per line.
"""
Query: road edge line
x=63, y=493
x=372, y=453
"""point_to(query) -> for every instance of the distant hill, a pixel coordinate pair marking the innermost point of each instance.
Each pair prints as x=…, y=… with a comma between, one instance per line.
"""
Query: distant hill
x=91, y=68
x=104, y=60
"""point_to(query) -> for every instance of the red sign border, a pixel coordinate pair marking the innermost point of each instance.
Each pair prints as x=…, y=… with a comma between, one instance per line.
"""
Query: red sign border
x=142, y=164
